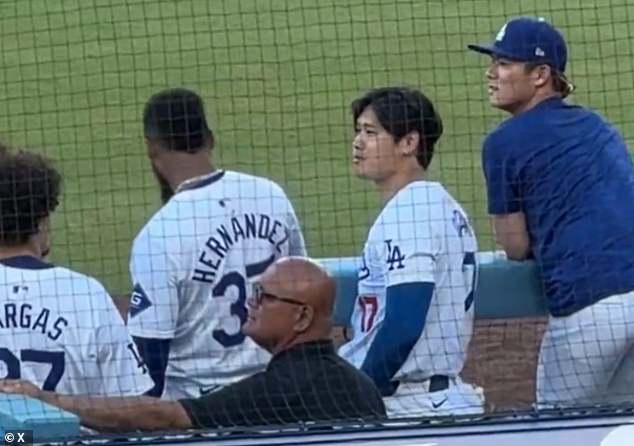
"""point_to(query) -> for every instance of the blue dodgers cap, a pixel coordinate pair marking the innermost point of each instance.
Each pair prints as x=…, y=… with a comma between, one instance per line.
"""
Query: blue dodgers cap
x=528, y=39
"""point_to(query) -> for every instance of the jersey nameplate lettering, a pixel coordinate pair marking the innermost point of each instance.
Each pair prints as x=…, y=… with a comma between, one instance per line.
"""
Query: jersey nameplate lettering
x=247, y=226
x=40, y=320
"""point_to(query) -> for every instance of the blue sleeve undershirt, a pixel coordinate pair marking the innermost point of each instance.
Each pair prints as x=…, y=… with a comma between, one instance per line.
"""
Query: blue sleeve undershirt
x=406, y=310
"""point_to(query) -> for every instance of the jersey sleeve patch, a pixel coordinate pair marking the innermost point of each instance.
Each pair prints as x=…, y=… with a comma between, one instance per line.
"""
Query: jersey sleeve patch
x=395, y=257
x=139, y=301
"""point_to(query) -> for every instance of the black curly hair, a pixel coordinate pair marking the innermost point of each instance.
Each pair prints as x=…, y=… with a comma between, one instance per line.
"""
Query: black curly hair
x=176, y=119
x=29, y=192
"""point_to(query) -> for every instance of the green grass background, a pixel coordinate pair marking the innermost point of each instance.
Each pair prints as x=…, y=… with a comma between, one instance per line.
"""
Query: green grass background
x=277, y=77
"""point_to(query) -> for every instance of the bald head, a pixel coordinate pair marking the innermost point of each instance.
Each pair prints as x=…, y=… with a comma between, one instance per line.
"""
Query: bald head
x=302, y=279
x=292, y=305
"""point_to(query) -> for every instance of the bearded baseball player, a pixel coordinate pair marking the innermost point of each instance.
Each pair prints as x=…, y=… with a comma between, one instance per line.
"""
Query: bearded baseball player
x=194, y=262
x=413, y=316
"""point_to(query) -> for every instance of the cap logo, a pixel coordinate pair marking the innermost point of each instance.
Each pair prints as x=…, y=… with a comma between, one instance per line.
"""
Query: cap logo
x=501, y=32
x=539, y=52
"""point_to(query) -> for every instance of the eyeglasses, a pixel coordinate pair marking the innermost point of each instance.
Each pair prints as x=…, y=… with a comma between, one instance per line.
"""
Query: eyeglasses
x=259, y=294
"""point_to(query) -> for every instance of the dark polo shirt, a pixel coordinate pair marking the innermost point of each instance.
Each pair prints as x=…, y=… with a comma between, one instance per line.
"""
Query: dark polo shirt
x=308, y=382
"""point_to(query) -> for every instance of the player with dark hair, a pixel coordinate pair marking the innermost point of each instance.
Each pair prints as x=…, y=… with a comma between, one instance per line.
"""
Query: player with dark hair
x=29, y=193
x=174, y=120
x=60, y=329
x=401, y=111
x=413, y=316
x=192, y=264
x=561, y=190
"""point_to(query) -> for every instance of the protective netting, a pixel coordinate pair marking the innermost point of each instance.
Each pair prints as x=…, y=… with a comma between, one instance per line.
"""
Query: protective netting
x=277, y=78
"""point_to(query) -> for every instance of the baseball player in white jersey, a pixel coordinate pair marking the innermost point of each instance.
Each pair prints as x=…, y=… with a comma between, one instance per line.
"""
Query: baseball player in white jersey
x=413, y=316
x=59, y=329
x=195, y=260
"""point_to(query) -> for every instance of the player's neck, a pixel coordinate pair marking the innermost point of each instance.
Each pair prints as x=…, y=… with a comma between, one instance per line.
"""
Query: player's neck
x=301, y=338
x=391, y=185
x=537, y=99
x=186, y=169
x=29, y=249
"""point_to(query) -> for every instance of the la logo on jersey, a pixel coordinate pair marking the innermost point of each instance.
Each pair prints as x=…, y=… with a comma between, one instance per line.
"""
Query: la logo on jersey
x=138, y=301
x=394, y=256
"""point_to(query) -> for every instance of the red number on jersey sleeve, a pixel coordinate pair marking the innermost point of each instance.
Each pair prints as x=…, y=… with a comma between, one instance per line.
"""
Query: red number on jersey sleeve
x=369, y=307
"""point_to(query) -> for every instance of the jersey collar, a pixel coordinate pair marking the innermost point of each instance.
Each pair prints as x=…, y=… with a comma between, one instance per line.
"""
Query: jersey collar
x=200, y=181
x=25, y=262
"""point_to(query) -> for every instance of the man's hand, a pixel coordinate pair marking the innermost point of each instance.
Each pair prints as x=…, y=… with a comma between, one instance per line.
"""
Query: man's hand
x=20, y=387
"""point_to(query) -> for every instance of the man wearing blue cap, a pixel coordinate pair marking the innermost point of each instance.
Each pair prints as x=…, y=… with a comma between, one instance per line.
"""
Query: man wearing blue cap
x=560, y=188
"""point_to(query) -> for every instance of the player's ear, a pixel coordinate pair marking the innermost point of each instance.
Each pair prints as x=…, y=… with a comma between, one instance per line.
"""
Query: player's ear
x=409, y=143
x=304, y=318
x=542, y=75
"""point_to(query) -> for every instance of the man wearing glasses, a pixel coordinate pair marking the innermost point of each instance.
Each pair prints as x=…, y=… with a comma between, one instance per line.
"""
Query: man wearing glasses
x=289, y=315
